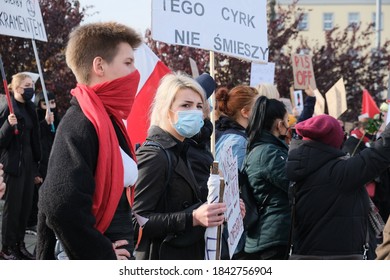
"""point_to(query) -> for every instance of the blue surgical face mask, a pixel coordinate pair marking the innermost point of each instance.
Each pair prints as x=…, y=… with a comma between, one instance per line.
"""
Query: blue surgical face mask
x=28, y=94
x=189, y=122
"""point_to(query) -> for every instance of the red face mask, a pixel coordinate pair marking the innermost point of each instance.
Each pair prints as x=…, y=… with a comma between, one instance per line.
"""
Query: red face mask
x=118, y=95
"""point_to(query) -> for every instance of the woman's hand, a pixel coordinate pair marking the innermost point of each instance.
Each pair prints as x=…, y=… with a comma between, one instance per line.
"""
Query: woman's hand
x=49, y=117
x=311, y=91
x=121, y=254
x=209, y=215
x=12, y=120
x=2, y=184
x=38, y=180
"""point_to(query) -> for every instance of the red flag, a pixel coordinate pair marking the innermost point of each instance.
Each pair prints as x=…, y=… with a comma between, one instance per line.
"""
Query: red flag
x=151, y=70
x=368, y=105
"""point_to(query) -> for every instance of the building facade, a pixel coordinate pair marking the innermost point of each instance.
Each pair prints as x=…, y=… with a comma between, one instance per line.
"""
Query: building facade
x=320, y=16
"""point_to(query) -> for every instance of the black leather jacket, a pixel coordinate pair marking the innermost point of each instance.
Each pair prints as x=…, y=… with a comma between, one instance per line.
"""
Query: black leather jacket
x=168, y=233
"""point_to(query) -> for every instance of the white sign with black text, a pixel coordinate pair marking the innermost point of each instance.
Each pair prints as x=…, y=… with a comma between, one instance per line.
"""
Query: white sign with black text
x=235, y=224
x=234, y=28
x=22, y=18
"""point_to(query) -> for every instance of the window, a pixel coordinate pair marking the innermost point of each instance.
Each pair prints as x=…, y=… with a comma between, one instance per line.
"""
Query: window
x=328, y=21
x=304, y=22
x=353, y=20
x=279, y=21
x=374, y=20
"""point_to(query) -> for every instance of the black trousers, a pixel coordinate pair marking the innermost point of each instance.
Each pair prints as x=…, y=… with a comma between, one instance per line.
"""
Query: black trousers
x=17, y=203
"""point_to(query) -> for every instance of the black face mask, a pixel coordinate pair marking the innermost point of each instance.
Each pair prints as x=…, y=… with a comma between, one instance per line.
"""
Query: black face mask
x=283, y=137
x=28, y=94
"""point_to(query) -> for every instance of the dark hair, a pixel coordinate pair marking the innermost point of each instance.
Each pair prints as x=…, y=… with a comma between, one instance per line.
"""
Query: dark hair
x=264, y=113
x=40, y=97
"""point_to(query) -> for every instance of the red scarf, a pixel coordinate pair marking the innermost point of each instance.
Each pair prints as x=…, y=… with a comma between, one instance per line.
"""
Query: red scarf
x=114, y=98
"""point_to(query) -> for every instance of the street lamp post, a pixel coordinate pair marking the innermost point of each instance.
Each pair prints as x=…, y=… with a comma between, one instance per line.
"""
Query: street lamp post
x=378, y=20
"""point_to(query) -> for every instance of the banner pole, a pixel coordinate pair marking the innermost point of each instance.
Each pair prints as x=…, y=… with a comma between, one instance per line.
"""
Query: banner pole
x=42, y=81
x=212, y=114
x=220, y=227
x=7, y=94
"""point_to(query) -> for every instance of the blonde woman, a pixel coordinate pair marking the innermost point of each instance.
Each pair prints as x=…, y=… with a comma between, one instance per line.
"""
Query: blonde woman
x=20, y=153
x=166, y=193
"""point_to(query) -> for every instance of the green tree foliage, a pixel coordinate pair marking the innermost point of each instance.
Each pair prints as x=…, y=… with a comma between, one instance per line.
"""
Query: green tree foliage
x=59, y=17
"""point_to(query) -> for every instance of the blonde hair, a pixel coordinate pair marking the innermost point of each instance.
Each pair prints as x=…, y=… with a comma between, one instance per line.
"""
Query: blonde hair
x=268, y=90
x=96, y=39
x=166, y=93
x=17, y=80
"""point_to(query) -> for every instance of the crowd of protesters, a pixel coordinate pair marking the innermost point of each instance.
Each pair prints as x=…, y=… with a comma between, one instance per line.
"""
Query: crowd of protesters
x=89, y=195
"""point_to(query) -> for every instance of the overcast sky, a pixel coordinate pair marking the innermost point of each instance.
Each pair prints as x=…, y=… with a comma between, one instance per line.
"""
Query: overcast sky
x=135, y=13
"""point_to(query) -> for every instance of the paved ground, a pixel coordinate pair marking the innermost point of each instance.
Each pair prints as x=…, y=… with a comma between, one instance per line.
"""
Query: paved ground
x=29, y=238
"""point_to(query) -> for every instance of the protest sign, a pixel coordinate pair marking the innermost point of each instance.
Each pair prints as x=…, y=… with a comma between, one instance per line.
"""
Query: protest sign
x=319, y=108
x=336, y=99
x=262, y=73
x=22, y=18
x=296, y=99
x=303, y=71
x=194, y=68
x=229, y=169
x=235, y=28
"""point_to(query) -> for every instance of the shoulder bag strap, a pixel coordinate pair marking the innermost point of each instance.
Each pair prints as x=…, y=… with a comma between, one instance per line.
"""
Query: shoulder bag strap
x=292, y=193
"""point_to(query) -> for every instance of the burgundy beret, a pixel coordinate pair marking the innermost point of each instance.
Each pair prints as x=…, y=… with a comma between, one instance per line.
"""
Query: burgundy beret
x=322, y=128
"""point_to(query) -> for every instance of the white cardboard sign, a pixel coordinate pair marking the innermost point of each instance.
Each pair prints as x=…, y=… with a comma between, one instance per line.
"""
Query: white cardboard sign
x=234, y=28
x=262, y=73
x=22, y=18
x=235, y=225
x=336, y=99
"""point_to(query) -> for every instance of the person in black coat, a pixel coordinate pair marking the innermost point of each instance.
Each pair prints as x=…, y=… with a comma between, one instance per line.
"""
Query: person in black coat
x=86, y=196
x=47, y=124
x=19, y=153
x=332, y=205
x=199, y=154
x=200, y=157
x=169, y=215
